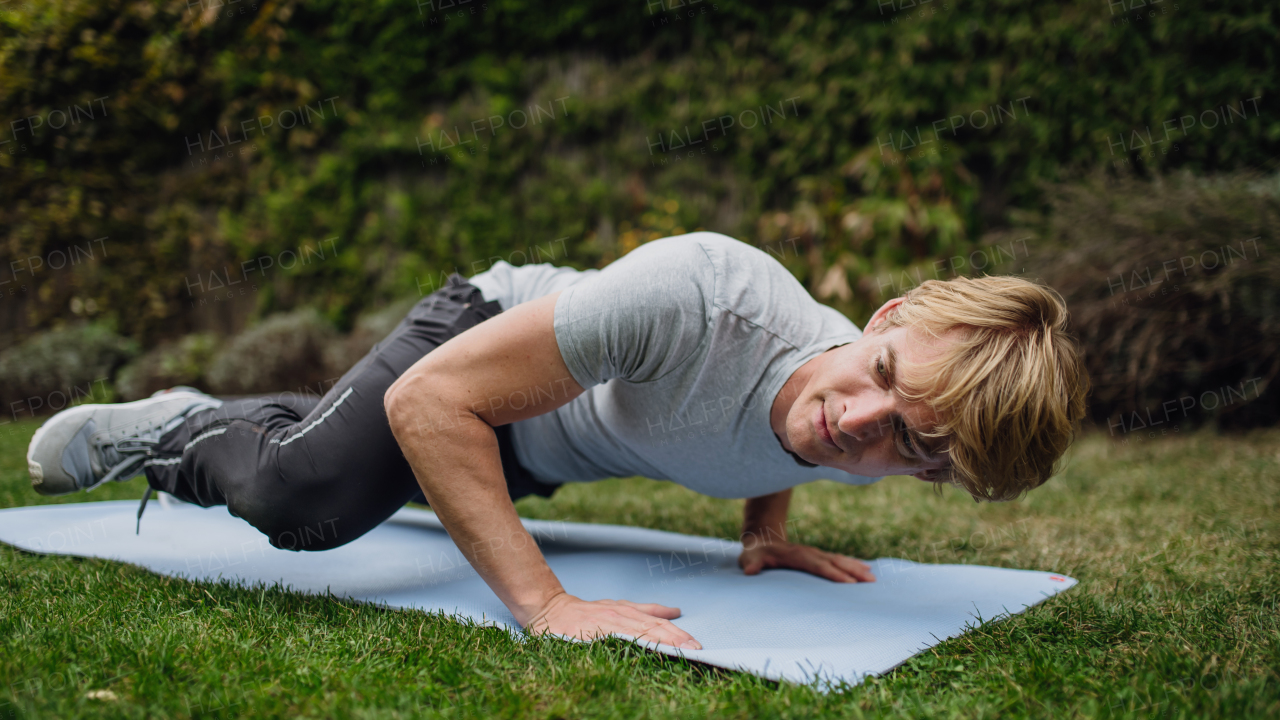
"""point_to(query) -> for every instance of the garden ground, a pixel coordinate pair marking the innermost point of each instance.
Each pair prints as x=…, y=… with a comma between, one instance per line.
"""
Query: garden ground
x=1175, y=541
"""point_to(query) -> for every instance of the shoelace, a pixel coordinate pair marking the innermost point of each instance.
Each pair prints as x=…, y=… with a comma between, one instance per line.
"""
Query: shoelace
x=128, y=454
x=125, y=457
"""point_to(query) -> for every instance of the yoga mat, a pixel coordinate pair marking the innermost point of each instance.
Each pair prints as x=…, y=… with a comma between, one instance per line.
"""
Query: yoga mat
x=780, y=624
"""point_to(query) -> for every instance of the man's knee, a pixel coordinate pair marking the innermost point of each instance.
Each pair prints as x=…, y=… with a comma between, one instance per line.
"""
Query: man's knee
x=307, y=534
x=297, y=516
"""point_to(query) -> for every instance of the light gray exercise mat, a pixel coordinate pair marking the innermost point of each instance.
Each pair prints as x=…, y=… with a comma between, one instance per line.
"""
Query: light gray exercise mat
x=780, y=624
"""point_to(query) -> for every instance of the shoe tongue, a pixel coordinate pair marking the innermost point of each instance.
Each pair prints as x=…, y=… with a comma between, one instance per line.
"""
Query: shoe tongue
x=106, y=457
x=103, y=454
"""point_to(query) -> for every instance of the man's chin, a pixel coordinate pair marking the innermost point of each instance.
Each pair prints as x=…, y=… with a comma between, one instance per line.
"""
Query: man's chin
x=819, y=455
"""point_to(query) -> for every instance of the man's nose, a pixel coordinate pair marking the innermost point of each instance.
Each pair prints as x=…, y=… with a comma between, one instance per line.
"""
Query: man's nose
x=866, y=421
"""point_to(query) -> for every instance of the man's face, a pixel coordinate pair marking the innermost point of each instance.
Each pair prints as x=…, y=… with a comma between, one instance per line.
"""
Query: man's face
x=847, y=416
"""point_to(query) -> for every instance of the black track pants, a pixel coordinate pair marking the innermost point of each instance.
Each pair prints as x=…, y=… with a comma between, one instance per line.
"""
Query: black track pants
x=315, y=473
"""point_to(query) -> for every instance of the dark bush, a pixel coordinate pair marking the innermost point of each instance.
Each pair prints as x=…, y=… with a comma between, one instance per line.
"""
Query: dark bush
x=369, y=329
x=1174, y=289
x=183, y=362
x=280, y=349
x=284, y=352
x=52, y=369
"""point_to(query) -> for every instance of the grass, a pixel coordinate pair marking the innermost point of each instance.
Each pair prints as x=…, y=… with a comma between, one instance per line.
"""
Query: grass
x=1176, y=543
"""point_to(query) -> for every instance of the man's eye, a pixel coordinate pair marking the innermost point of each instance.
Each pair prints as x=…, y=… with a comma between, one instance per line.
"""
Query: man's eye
x=880, y=367
x=906, y=442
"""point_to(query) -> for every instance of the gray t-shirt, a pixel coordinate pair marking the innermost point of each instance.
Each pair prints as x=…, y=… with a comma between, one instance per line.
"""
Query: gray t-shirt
x=682, y=345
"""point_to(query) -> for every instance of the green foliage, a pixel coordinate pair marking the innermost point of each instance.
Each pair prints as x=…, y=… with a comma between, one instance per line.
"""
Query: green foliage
x=285, y=352
x=53, y=369
x=183, y=362
x=856, y=91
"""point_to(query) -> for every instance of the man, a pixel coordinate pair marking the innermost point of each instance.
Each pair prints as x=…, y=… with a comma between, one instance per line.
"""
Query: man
x=697, y=358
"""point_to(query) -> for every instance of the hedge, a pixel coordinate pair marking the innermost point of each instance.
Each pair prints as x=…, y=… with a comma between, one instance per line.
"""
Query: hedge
x=175, y=167
x=188, y=137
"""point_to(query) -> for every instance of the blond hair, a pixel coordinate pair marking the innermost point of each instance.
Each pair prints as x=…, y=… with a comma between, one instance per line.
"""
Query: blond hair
x=1009, y=385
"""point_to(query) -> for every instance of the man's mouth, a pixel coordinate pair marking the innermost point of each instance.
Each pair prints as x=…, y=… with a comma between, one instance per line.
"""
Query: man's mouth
x=820, y=426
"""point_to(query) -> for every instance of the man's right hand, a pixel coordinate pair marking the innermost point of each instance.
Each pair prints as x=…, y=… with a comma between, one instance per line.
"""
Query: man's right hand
x=567, y=615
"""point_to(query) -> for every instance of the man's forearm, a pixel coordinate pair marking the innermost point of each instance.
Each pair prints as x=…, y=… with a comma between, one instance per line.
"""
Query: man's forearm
x=764, y=519
x=460, y=471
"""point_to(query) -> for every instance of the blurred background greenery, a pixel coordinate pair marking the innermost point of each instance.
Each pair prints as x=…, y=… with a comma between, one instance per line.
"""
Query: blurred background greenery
x=244, y=196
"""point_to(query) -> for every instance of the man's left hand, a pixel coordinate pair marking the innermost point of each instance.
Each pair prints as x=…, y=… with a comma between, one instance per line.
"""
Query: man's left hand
x=832, y=566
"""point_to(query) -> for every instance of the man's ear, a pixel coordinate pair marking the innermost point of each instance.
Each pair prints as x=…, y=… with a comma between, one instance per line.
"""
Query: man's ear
x=883, y=312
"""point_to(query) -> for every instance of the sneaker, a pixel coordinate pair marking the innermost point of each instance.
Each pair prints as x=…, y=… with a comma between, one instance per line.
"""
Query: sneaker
x=85, y=446
x=176, y=388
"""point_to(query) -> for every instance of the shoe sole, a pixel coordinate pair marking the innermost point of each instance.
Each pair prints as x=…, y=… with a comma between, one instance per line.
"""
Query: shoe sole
x=45, y=461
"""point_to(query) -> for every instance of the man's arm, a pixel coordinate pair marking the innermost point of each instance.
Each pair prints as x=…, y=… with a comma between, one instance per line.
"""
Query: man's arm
x=443, y=411
x=764, y=519
x=765, y=544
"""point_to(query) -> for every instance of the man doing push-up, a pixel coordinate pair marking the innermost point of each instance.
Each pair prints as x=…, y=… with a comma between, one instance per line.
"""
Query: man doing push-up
x=697, y=359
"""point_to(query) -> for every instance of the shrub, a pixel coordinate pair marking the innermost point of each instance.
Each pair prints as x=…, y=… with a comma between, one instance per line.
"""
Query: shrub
x=1172, y=288
x=370, y=328
x=183, y=362
x=284, y=352
x=51, y=369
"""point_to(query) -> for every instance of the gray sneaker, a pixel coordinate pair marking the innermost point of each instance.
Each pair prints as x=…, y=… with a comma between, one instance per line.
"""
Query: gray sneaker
x=176, y=388
x=82, y=447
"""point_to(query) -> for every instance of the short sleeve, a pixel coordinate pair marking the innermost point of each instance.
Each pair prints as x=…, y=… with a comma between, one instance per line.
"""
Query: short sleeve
x=640, y=317
x=512, y=285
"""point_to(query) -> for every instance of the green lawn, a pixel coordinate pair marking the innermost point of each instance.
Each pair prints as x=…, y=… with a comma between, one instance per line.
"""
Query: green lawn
x=1176, y=544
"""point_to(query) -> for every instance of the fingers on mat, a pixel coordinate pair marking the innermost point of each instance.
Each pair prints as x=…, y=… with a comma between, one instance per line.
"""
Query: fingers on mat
x=657, y=610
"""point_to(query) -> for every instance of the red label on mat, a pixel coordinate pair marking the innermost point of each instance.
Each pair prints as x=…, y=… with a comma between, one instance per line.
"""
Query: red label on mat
x=1059, y=579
